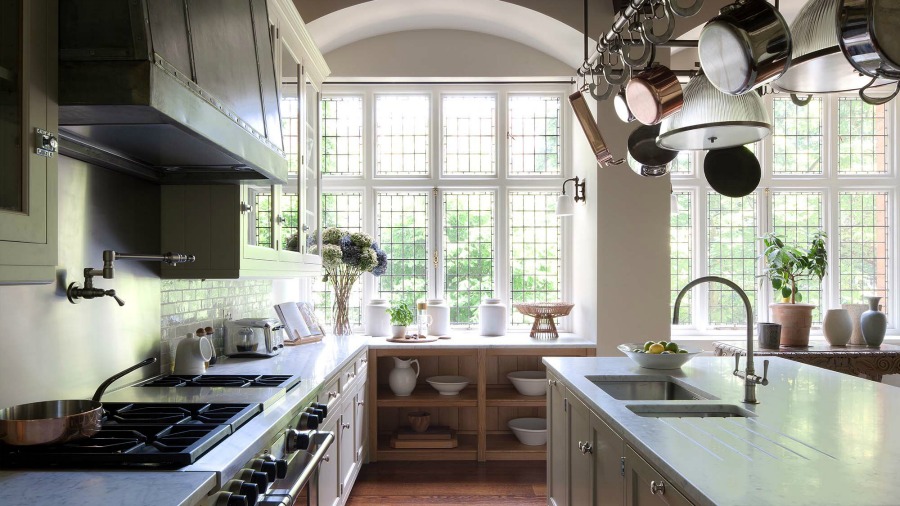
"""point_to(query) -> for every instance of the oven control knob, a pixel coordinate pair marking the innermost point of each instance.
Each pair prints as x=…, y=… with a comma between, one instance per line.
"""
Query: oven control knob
x=323, y=407
x=225, y=498
x=253, y=476
x=265, y=466
x=308, y=422
x=295, y=440
x=281, y=467
x=248, y=490
x=318, y=413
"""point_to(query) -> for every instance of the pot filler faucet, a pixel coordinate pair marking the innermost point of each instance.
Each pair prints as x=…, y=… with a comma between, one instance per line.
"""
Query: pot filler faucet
x=749, y=374
x=75, y=292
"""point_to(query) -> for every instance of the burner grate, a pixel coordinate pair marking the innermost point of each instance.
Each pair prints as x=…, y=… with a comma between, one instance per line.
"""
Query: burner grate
x=225, y=380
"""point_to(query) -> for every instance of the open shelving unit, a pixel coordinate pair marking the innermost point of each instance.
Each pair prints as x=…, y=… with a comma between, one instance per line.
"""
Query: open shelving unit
x=479, y=413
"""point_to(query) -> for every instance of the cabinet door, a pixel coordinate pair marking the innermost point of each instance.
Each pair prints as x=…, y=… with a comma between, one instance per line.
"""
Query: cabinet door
x=359, y=420
x=329, y=489
x=646, y=487
x=581, y=445
x=28, y=184
x=259, y=226
x=608, y=450
x=557, y=457
x=347, y=444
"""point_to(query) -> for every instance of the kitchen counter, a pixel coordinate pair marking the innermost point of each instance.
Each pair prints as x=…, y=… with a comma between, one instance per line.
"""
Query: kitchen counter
x=314, y=362
x=818, y=437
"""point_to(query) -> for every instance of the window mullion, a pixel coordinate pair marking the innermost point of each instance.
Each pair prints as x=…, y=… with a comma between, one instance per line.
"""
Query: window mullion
x=501, y=210
x=701, y=218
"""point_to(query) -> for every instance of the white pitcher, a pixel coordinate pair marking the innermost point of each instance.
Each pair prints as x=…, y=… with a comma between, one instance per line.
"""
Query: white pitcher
x=402, y=379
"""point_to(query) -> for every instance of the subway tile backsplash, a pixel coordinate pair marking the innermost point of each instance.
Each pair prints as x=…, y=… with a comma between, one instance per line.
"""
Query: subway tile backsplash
x=188, y=304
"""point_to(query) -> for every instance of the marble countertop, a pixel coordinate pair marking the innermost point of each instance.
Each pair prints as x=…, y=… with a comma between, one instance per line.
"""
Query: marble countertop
x=314, y=362
x=819, y=437
x=473, y=340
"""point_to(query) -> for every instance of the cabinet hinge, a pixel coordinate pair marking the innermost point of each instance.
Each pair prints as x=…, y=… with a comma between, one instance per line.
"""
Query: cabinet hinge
x=623, y=466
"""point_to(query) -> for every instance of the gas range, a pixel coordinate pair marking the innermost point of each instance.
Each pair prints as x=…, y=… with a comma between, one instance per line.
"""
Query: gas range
x=164, y=436
x=225, y=380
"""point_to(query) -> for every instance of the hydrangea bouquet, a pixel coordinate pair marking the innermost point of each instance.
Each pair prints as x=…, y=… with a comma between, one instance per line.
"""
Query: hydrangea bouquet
x=345, y=257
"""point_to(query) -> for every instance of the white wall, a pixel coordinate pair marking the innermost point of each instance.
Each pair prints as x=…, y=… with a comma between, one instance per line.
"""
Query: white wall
x=441, y=53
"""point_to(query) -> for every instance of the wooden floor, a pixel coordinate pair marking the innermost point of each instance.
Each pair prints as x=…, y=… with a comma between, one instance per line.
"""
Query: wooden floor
x=451, y=483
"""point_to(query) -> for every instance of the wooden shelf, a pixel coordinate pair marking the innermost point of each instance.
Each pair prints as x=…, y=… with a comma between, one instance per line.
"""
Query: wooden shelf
x=424, y=397
x=467, y=450
x=507, y=447
x=505, y=396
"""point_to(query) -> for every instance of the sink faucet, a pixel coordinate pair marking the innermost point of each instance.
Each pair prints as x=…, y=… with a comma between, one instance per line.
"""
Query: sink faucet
x=749, y=374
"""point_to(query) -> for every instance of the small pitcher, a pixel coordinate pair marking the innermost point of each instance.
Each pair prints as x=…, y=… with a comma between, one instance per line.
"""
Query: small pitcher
x=402, y=378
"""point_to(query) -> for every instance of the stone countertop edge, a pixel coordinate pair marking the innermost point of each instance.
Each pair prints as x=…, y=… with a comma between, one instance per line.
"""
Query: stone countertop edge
x=314, y=362
x=468, y=339
x=819, y=437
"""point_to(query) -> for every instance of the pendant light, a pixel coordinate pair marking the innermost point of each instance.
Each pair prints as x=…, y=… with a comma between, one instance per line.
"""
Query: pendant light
x=711, y=119
x=817, y=63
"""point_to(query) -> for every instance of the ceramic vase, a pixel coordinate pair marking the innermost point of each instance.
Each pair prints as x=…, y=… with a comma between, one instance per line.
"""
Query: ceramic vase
x=439, y=311
x=795, y=320
x=837, y=327
x=378, y=321
x=402, y=378
x=856, y=310
x=492, y=317
x=873, y=323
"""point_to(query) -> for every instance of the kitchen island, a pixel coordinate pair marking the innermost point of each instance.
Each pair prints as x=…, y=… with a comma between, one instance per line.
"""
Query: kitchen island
x=816, y=437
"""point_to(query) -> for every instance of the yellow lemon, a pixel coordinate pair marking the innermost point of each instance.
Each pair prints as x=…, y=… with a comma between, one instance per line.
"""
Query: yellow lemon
x=656, y=349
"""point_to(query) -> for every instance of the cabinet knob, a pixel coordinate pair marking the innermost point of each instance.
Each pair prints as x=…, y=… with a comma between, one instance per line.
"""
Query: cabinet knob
x=345, y=425
x=245, y=207
x=332, y=394
x=657, y=487
x=360, y=403
x=552, y=383
x=585, y=448
x=326, y=458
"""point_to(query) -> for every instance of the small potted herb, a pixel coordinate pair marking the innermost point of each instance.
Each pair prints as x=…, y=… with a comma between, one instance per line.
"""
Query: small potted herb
x=401, y=317
x=785, y=266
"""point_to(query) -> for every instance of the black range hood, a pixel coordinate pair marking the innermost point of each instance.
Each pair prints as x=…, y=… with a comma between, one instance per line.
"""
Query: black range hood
x=176, y=91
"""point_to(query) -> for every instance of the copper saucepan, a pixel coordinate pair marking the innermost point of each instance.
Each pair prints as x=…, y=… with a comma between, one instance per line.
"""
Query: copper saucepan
x=654, y=94
x=54, y=422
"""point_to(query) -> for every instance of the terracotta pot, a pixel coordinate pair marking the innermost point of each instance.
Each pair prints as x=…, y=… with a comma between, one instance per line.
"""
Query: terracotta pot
x=795, y=320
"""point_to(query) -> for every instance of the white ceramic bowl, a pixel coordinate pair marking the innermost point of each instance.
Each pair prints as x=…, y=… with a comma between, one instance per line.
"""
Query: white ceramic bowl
x=660, y=361
x=448, y=385
x=529, y=382
x=529, y=431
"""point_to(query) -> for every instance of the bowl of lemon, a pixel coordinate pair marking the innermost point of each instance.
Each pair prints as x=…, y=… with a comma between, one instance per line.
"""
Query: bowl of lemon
x=658, y=354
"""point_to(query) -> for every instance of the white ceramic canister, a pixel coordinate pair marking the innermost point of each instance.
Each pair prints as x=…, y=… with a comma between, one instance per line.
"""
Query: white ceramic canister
x=378, y=321
x=492, y=317
x=439, y=311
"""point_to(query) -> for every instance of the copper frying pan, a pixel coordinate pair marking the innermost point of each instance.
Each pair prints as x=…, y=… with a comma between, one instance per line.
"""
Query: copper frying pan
x=54, y=422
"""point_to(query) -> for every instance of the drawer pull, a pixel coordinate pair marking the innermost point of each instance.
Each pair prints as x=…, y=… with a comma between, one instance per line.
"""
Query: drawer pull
x=345, y=425
x=360, y=403
x=326, y=458
x=585, y=448
x=332, y=394
x=364, y=360
x=657, y=487
x=552, y=383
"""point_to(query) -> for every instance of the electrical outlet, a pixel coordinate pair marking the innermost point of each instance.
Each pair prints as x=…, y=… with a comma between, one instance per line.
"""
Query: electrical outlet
x=229, y=314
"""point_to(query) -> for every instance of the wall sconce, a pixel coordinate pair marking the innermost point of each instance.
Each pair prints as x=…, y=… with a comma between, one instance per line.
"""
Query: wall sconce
x=565, y=204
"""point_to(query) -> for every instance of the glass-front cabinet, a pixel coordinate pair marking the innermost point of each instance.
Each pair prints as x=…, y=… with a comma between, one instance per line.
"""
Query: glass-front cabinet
x=261, y=230
x=28, y=128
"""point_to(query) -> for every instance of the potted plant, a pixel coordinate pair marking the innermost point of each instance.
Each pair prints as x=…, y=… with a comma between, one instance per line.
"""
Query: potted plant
x=401, y=317
x=785, y=266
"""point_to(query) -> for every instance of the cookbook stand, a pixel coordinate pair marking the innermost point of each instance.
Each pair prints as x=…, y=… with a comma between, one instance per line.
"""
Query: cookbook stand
x=300, y=322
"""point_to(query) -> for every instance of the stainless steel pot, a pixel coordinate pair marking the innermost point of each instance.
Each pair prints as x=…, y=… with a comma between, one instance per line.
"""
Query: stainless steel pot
x=54, y=422
x=746, y=46
x=869, y=38
x=591, y=130
x=654, y=94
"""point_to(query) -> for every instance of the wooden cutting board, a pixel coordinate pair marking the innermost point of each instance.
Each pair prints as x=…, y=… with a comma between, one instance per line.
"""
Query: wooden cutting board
x=426, y=443
x=437, y=432
x=429, y=339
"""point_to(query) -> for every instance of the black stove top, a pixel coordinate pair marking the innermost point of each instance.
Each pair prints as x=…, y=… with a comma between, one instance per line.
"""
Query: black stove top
x=225, y=380
x=138, y=434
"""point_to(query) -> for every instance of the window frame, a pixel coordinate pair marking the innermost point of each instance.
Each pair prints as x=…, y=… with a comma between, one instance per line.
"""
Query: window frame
x=437, y=182
x=830, y=184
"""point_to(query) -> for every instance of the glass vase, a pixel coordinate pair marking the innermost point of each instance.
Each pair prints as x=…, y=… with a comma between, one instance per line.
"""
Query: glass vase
x=341, y=310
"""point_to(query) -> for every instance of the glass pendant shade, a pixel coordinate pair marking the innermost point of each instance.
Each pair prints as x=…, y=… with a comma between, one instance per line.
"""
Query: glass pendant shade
x=817, y=63
x=565, y=205
x=711, y=119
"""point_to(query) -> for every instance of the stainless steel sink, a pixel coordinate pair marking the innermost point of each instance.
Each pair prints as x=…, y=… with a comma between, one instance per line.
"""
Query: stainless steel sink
x=662, y=389
x=689, y=410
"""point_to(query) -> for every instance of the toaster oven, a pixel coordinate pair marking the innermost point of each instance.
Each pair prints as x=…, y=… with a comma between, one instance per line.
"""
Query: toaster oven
x=253, y=337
